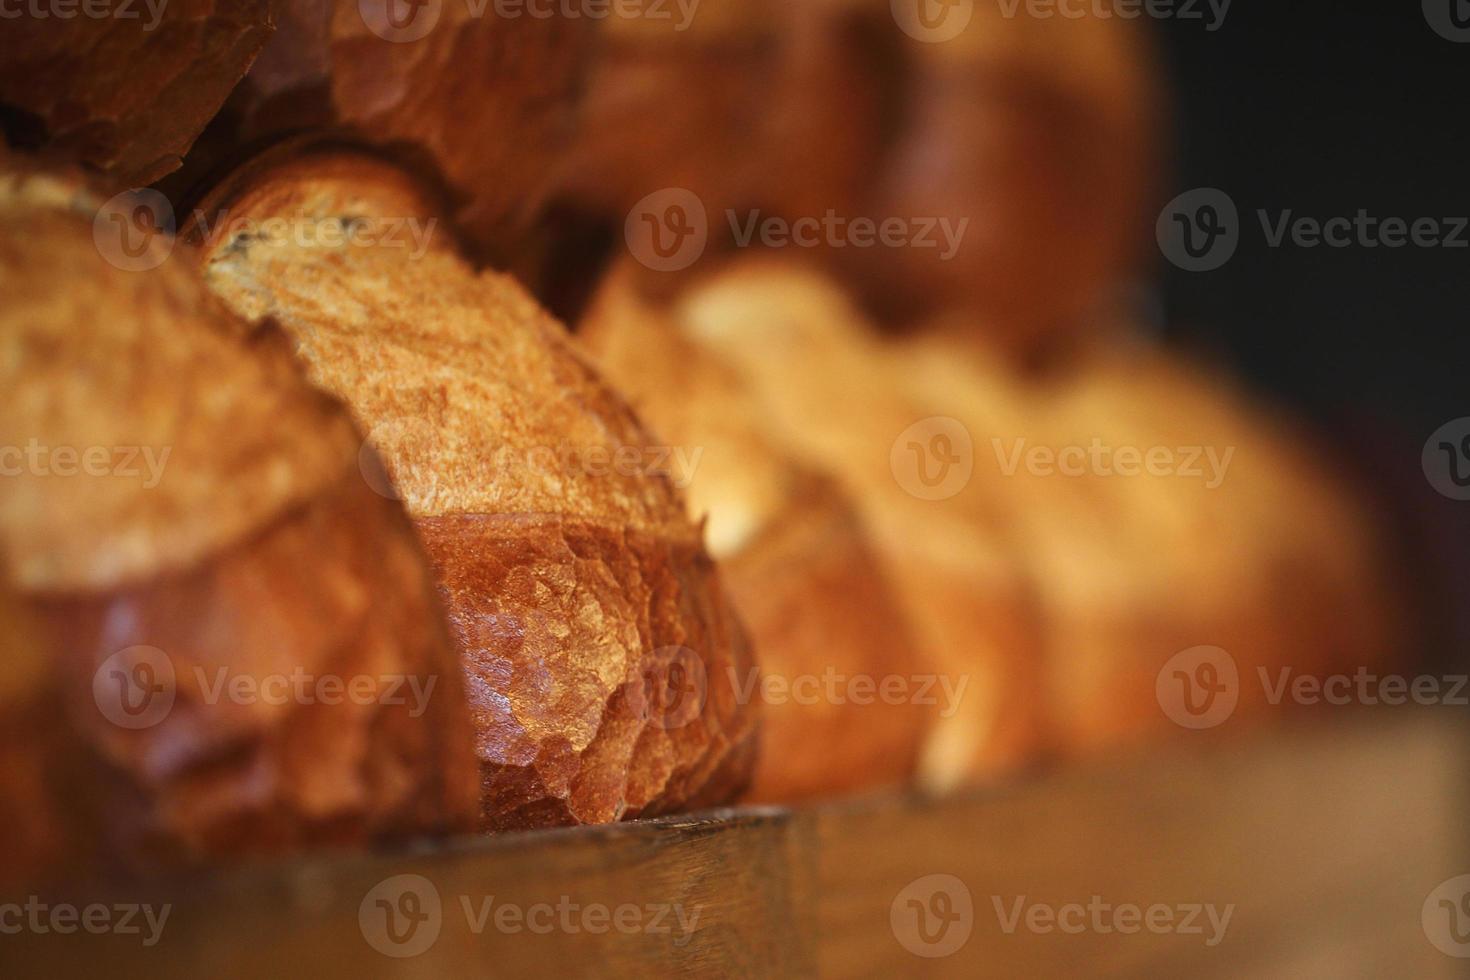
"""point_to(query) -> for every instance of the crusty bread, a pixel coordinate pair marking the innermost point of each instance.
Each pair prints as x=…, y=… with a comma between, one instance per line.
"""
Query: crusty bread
x=1264, y=555
x=124, y=95
x=586, y=609
x=1041, y=132
x=222, y=523
x=830, y=397
x=481, y=102
x=756, y=105
x=794, y=554
x=675, y=109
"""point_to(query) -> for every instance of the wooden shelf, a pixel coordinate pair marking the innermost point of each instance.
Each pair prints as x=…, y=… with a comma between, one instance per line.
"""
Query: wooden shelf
x=1326, y=839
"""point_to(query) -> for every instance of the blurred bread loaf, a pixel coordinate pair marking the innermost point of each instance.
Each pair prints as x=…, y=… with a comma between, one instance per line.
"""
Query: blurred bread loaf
x=825, y=391
x=183, y=520
x=1040, y=133
x=1164, y=516
x=599, y=648
x=125, y=94
x=477, y=101
x=794, y=554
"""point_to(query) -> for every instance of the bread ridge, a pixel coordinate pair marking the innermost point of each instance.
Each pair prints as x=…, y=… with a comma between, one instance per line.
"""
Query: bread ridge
x=362, y=334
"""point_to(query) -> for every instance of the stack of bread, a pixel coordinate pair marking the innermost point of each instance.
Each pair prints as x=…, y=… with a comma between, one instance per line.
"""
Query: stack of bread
x=766, y=527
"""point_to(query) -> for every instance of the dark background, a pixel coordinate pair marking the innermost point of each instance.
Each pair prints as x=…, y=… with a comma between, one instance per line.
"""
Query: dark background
x=1325, y=108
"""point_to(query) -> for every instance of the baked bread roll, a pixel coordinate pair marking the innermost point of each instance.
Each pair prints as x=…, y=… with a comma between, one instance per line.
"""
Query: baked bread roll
x=1041, y=132
x=483, y=103
x=794, y=555
x=125, y=94
x=1231, y=537
x=599, y=649
x=240, y=639
x=755, y=105
x=675, y=108
x=830, y=397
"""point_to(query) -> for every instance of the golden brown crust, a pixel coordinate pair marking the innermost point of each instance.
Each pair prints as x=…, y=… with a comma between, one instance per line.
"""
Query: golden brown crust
x=1272, y=561
x=203, y=446
x=1042, y=133
x=823, y=612
x=830, y=397
x=126, y=95
x=563, y=552
x=568, y=630
x=755, y=105
x=226, y=778
x=794, y=555
x=472, y=391
x=259, y=555
x=485, y=103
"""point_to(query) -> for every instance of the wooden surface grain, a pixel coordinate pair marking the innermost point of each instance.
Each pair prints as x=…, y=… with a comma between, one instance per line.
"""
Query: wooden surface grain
x=1324, y=841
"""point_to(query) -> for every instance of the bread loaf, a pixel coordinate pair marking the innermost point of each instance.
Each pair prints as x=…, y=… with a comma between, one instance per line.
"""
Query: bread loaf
x=829, y=396
x=1221, y=532
x=1040, y=133
x=480, y=101
x=599, y=649
x=671, y=107
x=822, y=614
x=238, y=642
x=128, y=93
